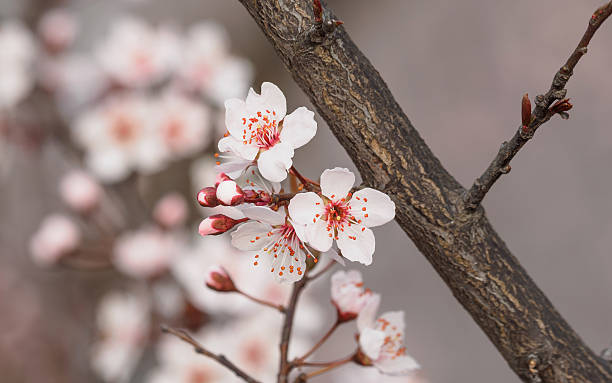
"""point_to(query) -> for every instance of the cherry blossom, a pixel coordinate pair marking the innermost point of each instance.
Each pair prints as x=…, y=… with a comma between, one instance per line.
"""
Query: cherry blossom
x=341, y=216
x=136, y=54
x=58, y=29
x=123, y=323
x=348, y=294
x=382, y=340
x=118, y=136
x=80, y=191
x=144, y=253
x=183, y=124
x=18, y=52
x=275, y=242
x=261, y=131
x=171, y=210
x=57, y=236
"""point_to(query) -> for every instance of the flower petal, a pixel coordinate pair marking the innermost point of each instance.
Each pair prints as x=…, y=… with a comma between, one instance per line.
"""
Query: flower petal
x=375, y=204
x=273, y=163
x=109, y=165
x=318, y=235
x=299, y=127
x=395, y=320
x=400, y=365
x=357, y=244
x=236, y=147
x=251, y=236
x=367, y=316
x=304, y=207
x=337, y=182
x=271, y=98
x=371, y=342
x=265, y=215
x=334, y=256
x=235, y=111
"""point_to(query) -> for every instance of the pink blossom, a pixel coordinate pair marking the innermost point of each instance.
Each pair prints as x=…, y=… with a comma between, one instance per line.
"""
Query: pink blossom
x=217, y=224
x=18, y=53
x=80, y=191
x=57, y=236
x=171, y=211
x=341, y=216
x=58, y=28
x=145, y=253
x=348, y=294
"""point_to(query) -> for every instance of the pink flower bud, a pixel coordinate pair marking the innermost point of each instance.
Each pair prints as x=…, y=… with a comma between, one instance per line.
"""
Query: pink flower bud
x=220, y=178
x=171, y=211
x=229, y=193
x=80, y=191
x=219, y=280
x=207, y=197
x=57, y=236
x=217, y=224
x=58, y=29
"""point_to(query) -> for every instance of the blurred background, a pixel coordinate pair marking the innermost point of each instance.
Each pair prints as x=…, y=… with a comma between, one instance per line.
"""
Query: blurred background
x=458, y=69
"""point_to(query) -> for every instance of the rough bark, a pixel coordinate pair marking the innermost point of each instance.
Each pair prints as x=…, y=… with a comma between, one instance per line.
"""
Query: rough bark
x=465, y=250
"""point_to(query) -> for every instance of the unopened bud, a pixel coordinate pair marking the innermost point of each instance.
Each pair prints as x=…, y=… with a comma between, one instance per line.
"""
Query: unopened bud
x=526, y=110
x=217, y=224
x=229, y=193
x=207, y=197
x=220, y=178
x=219, y=280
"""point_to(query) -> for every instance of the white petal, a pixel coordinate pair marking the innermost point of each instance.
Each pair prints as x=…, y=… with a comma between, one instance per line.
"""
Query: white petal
x=367, y=316
x=371, y=341
x=337, y=182
x=299, y=127
x=251, y=236
x=400, y=365
x=358, y=248
x=265, y=215
x=304, y=207
x=319, y=237
x=236, y=147
x=235, y=111
x=271, y=98
x=300, y=230
x=396, y=322
x=334, y=256
x=274, y=163
x=378, y=206
x=108, y=165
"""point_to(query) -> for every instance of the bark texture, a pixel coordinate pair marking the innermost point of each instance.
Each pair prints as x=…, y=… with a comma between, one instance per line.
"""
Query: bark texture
x=465, y=250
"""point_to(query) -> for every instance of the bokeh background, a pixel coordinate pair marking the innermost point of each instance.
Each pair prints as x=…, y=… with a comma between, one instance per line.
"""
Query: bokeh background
x=459, y=70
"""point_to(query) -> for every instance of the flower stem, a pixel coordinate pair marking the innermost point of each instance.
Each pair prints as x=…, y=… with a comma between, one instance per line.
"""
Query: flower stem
x=280, y=308
x=300, y=361
x=327, y=366
x=307, y=182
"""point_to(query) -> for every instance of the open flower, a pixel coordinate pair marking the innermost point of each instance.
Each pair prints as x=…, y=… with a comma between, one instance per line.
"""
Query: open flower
x=144, y=253
x=382, y=340
x=348, y=294
x=260, y=131
x=275, y=241
x=342, y=216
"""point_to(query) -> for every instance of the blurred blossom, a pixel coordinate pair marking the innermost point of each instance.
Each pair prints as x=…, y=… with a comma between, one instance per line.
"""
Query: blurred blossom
x=80, y=191
x=118, y=136
x=58, y=29
x=18, y=50
x=184, y=124
x=135, y=54
x=207, y=66
x=171, y=211
x=144, y=253
x=57, y=236
x=123, y=323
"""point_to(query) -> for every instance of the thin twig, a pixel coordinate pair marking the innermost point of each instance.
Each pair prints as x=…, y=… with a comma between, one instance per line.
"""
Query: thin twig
x=300, y=361
x=541, y=114
x=280, y=308
x=307, y=182
x=184, y=336
x=327, y=366
x=285, y=365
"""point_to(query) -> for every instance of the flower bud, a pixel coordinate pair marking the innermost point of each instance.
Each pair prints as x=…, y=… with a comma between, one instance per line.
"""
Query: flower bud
x=220, y=178
x=170, y=211
x=80, y=191
x=229, y=193
x=219, y=280
x=217, y=224
x=207, y=197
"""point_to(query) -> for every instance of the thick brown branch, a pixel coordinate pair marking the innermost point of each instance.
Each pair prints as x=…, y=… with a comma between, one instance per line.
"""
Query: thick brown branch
x=540, y=115
x=184, y=336
x=465, y=250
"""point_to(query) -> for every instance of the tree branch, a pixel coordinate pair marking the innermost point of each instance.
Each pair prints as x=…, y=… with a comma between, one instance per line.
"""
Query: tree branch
x=184, y=336
x=285, y=365
x=465, y=250
x=540, y=115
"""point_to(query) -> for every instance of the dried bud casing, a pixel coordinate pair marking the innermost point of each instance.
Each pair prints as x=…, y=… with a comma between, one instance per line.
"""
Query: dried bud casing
x=217, y=224
x=219, y=280
x=526, y=110
x=207, y=197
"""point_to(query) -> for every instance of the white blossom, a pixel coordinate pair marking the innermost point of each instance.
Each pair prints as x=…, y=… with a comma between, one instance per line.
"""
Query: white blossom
x=18, y=53
x=144, y=253
x=57, y=236
x=348, y=294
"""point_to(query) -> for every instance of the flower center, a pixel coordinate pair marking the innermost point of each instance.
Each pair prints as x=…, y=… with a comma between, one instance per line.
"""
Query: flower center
x=393, y=344
x=173, y=132
x=261, y=130
x=338, y=217
x=123, y=129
